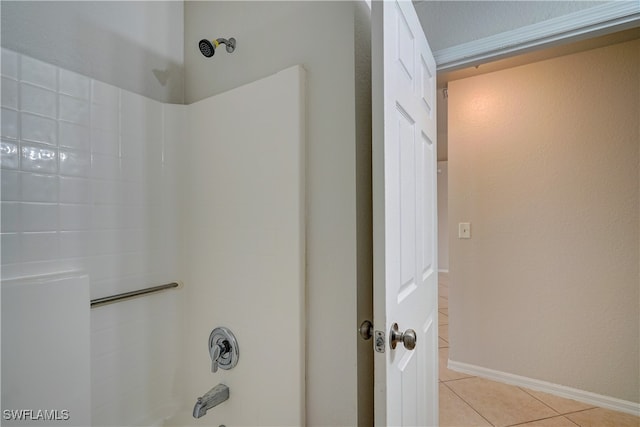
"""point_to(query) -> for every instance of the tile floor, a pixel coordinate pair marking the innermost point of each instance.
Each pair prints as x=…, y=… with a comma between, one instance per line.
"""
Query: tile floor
x=466, y=400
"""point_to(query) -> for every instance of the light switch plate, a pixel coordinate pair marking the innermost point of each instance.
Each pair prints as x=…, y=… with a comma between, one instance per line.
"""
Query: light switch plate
x=464, y=230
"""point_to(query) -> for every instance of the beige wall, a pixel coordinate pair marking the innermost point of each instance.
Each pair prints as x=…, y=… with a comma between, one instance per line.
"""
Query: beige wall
x=321, y=36
x=543, y=161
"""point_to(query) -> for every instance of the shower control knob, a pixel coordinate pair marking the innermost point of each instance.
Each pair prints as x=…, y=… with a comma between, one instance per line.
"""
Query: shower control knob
x=408, y=337
x=217, y=351
x=223, y=349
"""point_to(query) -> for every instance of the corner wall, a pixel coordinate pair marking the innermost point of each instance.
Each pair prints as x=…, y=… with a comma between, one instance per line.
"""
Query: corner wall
x=320, y=36
x=543, y=161
x=135, y=45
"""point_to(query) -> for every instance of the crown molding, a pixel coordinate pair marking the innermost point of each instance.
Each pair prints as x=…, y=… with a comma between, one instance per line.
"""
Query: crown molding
x=597, y=20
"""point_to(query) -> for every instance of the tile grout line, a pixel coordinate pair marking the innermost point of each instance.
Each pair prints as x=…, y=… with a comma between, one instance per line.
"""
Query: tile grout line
x=562, y=414
x=542, y=419
x=474, y=409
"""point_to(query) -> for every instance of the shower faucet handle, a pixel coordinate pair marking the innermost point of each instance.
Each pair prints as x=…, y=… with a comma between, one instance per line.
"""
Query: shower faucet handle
x=223, y=349
x=215, y=355
x=220, y=349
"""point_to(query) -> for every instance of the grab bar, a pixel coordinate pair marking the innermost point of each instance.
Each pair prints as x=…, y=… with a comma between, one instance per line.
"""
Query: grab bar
x=126, y=295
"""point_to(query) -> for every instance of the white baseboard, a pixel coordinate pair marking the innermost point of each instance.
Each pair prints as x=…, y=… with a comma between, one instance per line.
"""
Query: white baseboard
x=547, y=387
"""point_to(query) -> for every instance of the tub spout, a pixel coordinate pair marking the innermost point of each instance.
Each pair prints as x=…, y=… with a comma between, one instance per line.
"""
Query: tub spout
x=212, y=398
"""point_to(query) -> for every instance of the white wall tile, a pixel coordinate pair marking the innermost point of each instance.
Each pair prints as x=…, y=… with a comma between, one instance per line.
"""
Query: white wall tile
x=74, y=110
x=9, y=157
x=106, y=191
x=105, y=242
x=38, y=73
x=105, y=94
x=74, y=244
x=39, y=217
x=9, y=64
x=106, y=217
x=74, y=136
x=11, y=271
x=37, y=100
x=11, y=217
x=39, y=188
x=104, y=117
x=74, y=84
x=39, y=129
x=102, y=267
x=74, y=217
x=105, y=167
x=93, y=194
x=133, y=115
x=75, y=163
x=134, y=240
x=39, y=246
x=9, y=93
x=133, y=216
x=9, y=126
x=105, y=142
x=74, y=190
x=52, y=266
x=133, y=169
x=11, y=248
x=39, y=158
x=132, y=146
x=10, y=181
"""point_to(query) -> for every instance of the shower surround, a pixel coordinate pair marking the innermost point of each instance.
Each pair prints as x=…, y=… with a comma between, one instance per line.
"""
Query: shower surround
x=106, y=191
x=89, y=185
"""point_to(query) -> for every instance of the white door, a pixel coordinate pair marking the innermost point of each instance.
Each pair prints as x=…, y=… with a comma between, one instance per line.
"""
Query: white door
x=404, y=216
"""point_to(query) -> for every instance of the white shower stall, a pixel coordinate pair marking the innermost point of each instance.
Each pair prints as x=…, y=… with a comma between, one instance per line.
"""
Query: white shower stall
x=106, y=191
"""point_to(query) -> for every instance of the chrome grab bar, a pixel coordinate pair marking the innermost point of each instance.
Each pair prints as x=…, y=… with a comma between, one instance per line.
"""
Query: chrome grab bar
x=126, y=295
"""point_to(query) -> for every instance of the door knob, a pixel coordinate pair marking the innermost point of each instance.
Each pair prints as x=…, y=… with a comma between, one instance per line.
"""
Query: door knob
x=366, y=330
x=408, y=337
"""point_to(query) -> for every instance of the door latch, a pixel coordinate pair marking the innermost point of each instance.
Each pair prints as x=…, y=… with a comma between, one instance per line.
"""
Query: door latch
x=366, y=331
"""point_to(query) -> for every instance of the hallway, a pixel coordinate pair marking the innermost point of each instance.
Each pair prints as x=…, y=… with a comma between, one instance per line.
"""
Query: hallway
x=472, y=401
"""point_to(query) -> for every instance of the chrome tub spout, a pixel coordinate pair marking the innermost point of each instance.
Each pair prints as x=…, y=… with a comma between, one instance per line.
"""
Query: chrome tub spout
x=212, y=398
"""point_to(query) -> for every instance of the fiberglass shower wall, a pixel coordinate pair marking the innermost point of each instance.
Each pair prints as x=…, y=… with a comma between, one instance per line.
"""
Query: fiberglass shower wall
x=89, y=187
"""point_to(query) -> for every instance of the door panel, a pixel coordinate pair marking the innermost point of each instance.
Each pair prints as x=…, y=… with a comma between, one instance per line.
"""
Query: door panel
x=404, y=191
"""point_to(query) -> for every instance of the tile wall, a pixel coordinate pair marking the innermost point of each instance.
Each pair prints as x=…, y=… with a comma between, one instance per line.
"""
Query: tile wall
x=89, y=184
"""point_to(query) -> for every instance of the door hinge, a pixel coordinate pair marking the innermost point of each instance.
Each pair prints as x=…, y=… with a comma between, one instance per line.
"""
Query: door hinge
x=379, y=341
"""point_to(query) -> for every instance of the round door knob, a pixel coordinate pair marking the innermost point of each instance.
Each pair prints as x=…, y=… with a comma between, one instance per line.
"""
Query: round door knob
x=366, y=330
x=408, y=337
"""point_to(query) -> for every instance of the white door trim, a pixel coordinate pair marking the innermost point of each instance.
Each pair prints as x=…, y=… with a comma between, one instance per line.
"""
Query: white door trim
x=597, y=20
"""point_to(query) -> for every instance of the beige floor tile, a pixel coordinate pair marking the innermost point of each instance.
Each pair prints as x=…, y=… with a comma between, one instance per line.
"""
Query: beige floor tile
x=443, y=332
x=442, y=343
x=454, y=412
x=560, y=404
x=501, y=404
x=443, y=303
x=599, y=417
x=443, y=279
x=446, y=374
x=549, y=422
x=443, y=291
x=443, y=319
